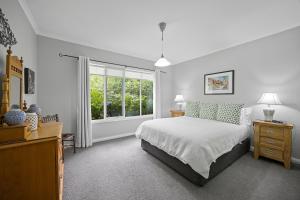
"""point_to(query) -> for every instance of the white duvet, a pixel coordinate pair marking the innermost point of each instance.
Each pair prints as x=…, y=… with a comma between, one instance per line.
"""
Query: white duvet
x=194, y=141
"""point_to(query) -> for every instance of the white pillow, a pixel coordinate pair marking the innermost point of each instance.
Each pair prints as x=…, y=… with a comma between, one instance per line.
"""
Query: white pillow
x=245, y=116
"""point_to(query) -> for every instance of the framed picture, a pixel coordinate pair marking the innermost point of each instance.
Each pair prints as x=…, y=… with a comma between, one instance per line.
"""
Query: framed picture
x=219, y=83
x=29, y=80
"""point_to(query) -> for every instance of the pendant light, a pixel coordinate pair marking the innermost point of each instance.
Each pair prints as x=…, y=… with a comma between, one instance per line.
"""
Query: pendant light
x=162, y=61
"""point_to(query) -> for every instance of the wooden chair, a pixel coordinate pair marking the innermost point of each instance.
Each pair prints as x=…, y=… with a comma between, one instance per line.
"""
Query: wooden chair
x=66, y=137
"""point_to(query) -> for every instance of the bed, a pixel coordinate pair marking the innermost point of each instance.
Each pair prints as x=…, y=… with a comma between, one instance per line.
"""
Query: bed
x=198, y=149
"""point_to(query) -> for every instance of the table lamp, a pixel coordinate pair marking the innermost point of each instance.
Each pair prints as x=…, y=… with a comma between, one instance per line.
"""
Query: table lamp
x=179, y=100
x=269, y=99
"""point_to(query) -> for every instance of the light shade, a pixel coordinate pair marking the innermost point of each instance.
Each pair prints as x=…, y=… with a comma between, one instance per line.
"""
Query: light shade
x=269, y=98
x=179, y=98
x=162, y=62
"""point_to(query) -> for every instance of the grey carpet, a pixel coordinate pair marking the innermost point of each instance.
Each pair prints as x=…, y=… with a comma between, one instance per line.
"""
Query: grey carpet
x=121, y=170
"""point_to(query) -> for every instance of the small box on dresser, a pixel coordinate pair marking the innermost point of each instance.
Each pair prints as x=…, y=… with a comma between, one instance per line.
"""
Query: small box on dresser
x=273, y=140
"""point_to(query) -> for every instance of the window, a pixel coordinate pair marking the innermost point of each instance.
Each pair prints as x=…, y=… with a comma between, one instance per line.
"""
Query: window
x=147, y=97
x=114, y=92
x=97, y=93
x=132, y=97
x=118, y=92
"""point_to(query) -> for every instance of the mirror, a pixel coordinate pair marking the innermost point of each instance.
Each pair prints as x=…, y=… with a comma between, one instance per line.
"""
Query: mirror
x=12, y=83
x=14, y=92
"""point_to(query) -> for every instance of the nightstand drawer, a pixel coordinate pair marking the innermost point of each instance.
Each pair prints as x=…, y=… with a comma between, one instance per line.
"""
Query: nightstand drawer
x=272, y=132
x=278, y=144
x=177, y=113
x=271, y=153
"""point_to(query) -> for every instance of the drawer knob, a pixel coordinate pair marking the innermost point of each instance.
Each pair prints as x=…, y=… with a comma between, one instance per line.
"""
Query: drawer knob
x=269, y=131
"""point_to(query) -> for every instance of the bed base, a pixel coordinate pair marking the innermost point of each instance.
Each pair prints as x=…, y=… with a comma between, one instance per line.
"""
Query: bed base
x=186, y=171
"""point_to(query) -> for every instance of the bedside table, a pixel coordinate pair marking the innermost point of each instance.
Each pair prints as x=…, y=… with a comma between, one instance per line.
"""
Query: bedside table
x=177, y=113
x=273, y=140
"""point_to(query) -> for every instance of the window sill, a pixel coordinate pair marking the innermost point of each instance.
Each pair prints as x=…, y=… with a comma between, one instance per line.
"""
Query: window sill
x=116, y=119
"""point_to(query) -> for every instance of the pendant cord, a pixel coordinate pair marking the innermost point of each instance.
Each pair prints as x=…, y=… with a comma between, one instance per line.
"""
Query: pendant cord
x=162, y=42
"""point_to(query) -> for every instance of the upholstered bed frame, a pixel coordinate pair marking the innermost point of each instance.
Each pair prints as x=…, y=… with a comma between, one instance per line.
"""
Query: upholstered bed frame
x=185, y=170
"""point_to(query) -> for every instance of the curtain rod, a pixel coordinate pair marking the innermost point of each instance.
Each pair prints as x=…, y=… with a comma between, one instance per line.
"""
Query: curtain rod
x=94, y=60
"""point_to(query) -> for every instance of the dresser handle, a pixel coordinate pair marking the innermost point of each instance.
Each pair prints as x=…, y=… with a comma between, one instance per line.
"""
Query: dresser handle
x=270, y=142
x=270, y=131
x=268, y=150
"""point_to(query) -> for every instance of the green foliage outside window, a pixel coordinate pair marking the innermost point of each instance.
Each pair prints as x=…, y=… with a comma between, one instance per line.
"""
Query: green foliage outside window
x=147, y=97
x=97, y=96
x=132, y=97
x=114, y=96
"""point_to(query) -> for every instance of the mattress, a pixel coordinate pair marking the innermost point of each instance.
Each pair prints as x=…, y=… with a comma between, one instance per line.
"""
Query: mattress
x=194, y=141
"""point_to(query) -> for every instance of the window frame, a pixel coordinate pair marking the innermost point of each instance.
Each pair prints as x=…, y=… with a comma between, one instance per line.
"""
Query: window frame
x=123, y=116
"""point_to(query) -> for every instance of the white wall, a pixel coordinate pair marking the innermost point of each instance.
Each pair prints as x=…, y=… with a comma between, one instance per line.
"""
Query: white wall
x=26, y=37
x=57, y=84
x=271, y=64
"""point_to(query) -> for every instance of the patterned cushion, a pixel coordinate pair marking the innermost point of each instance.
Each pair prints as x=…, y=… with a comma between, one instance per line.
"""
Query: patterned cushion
x=192, y=109
x=229, y=113
x=208, y=111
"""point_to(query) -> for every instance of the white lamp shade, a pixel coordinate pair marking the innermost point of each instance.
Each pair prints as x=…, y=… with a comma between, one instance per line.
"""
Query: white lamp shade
x=162, y=62
x=269, y=98
x=179, y=98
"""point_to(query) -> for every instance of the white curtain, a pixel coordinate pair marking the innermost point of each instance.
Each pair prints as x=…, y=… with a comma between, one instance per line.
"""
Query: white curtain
x=157, y=95
x=84, y=123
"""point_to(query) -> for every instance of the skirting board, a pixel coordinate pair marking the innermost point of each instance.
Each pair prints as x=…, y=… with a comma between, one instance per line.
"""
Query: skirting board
x=112, y=137
x=294, y=160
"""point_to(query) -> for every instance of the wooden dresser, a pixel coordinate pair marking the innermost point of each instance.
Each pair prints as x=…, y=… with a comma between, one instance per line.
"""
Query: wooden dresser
x=273, y=140
x=177, y=113
x=33, y=169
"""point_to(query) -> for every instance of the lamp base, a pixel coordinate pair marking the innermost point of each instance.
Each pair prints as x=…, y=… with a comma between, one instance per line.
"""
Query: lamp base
x=269, y=113
x=179, y=106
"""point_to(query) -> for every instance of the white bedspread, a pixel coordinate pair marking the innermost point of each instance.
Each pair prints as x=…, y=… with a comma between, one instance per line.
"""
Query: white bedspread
x=194, y=141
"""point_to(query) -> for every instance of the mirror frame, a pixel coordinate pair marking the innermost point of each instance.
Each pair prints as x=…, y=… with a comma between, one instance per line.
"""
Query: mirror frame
x=14, y=67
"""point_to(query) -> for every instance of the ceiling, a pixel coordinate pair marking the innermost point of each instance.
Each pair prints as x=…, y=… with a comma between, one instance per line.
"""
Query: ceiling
x=194, y=27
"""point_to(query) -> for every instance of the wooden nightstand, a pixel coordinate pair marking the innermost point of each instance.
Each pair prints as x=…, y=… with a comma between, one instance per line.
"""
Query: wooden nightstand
x=273, y=140
x=177, y=113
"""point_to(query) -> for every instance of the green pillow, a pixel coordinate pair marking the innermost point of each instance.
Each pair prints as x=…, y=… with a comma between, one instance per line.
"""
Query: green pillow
x=192, y=109
x=208, y=111
x=229, y=113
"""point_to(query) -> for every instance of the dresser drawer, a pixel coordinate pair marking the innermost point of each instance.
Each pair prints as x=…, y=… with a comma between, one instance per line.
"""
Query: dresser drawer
x=271, y=153
x=272, y=132
x=277, y=144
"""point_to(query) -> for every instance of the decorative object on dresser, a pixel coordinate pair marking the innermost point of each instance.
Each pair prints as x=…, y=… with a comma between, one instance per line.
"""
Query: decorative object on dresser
x=29, y=79
x=219, y=83
x=179, y=101
x=177, y=113
x=273, y=140
x=32, y=168
x=14, y=117
x=6, y=35
x=33, y=108
x=269, y=99
x=66, y=137
x=32, y=119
